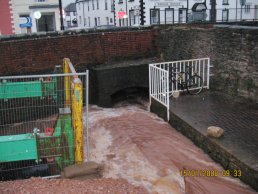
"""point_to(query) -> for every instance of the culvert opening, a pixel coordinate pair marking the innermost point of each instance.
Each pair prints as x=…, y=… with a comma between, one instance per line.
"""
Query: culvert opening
x=131, y=95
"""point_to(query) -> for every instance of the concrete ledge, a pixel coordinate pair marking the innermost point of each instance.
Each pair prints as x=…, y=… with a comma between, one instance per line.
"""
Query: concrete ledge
x=215, y=151
x=209, y=145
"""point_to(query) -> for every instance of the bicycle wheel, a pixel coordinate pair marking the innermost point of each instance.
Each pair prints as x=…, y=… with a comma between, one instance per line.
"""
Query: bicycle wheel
x=194, y=85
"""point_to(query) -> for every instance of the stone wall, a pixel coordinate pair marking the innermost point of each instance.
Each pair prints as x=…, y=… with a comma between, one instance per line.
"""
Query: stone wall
x=233, y=53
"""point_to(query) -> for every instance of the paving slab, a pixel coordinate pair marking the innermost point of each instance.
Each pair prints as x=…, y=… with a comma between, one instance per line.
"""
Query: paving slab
x=238, y=147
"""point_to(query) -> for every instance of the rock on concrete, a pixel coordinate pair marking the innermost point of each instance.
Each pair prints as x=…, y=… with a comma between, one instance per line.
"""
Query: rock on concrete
x=214, y=131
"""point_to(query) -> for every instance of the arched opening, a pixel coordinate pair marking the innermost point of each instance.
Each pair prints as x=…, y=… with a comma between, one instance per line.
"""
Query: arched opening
x=131, y=95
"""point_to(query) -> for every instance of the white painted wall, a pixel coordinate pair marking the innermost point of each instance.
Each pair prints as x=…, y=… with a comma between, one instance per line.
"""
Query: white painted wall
x=87, y=11
x=21, y=7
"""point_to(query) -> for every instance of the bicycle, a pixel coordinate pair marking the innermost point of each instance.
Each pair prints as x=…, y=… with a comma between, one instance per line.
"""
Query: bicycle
x=188, y=80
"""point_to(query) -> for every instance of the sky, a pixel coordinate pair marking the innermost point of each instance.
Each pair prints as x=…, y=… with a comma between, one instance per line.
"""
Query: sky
x=66, y=2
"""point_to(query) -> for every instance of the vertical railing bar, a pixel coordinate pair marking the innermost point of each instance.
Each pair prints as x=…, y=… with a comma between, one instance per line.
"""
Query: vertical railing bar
x=208, y=73
x=203, y=66
x=87, y=115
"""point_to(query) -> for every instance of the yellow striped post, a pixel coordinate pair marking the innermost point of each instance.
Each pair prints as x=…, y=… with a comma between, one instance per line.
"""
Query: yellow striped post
x=77, y=104
x=67, y=86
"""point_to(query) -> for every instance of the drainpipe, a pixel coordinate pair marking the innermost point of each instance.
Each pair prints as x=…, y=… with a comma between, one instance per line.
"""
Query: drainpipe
x=61, y=15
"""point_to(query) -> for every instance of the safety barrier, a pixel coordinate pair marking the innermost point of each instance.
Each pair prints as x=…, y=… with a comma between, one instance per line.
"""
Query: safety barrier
x=41, y=122
x=164, y=78
x=158, y=85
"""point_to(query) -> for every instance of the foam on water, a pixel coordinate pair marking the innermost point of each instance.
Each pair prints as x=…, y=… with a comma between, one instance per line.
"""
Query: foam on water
x=138, y=146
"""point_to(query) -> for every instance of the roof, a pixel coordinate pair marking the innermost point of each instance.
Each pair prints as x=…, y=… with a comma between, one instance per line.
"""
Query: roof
x=70, y=8
x=199, y=7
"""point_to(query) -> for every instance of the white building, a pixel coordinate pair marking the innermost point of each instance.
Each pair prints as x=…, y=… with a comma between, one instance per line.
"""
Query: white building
x=70, y=16
x=91, y=13
x=147, y=12
x=231, y=10
x=24, y=15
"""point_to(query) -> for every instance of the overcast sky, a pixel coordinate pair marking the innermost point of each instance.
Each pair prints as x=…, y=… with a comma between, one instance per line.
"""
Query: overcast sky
x=66, y=2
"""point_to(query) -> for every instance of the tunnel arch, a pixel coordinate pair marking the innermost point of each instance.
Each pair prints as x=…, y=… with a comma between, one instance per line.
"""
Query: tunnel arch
x=129, y=94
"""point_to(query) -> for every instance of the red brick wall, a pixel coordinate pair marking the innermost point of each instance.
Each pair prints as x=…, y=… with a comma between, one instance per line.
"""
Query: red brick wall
x=5, y=19
x=38, y=54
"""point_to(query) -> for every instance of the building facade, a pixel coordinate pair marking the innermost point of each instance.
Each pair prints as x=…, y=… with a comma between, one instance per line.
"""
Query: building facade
x=149, y=12
x=29, y=16
x=70, y=16
x=92, y=13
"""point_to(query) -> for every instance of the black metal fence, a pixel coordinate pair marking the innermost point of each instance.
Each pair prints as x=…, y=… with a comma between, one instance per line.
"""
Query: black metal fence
x=182, y=15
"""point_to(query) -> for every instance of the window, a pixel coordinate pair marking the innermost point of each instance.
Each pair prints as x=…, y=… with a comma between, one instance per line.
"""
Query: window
x=112, y=7
x=98, y=21
x=225, y=15
x=85, y=22
x=97, y=4
x=120, y=1
x=247, y=8
x=132, y=18
x=111, y=20
x=79, y=6
x=169, y=15
x=92, y=4
x=182, y=15
x=80, y=19
x=106, y=4
x=40, y=0
x=89, y=21
x=154, y=16
x=74, y=13
x=107, y=20
x=225, y=2
x=88, y=6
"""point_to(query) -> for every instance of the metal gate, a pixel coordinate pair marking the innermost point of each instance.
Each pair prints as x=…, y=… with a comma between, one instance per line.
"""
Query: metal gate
x=41, y=122
x=162, y=76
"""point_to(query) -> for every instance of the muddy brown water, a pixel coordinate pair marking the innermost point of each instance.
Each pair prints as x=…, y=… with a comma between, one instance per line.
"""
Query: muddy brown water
x=136, y=145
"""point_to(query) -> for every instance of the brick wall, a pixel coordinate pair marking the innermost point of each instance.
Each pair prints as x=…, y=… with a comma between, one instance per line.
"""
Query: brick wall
x=39, y=53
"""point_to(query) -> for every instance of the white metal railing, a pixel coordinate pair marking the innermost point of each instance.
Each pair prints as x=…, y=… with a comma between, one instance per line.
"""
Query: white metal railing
x=158, y=85
x=162, y=83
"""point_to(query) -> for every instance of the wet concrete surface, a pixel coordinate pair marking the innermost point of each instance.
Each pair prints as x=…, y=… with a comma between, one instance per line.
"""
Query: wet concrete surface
x=238, y=147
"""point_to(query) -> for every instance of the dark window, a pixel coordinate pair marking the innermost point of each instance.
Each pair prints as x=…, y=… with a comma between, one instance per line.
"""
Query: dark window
x=106, y=5
x=247, y=8
x=132, y=18
x=154, y=16
x=96, y=21
x=225, y=15
x=225, y=2
x=120, y=1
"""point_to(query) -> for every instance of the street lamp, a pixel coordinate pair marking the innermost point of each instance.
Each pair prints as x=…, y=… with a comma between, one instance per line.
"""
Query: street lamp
x=61, y=14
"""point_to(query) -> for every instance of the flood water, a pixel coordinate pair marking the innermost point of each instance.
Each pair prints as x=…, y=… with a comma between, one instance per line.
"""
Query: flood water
x=138, y=146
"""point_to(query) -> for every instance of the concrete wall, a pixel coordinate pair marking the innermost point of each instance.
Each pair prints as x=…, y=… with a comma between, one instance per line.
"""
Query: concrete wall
x=105, y=82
